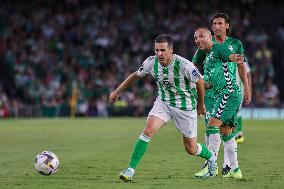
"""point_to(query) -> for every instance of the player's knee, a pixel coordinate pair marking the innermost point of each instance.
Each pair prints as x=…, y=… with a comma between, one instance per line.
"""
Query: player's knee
x=214, y=122
x=149, y=131
x=226, y=130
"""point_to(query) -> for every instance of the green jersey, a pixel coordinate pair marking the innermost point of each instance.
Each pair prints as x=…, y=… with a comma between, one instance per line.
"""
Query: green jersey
x=218, y=72
x=234, y=46
x=176, y=82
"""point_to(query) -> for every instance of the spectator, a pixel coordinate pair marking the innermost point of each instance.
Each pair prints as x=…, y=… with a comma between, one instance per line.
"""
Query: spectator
x=271, y=94
x=46, y=50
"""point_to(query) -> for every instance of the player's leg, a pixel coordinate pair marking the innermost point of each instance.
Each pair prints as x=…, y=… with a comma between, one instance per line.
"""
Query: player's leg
x=228, y=137
x=214, y=124
x=239, y=129
x=158, y=116
x=153, y=125
x=214, y=140
x=213, y=133
x=197, y=149
x=229, y=118
x=225, y=107
x=209, y=105
x=226, y=130
x=186, y=123
x=238, y=137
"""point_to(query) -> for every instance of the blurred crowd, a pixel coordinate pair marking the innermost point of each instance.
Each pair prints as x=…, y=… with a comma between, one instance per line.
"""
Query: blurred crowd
x=67, y=56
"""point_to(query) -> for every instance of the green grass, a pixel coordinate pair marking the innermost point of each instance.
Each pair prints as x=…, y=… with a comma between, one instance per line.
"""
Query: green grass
x=93, y=151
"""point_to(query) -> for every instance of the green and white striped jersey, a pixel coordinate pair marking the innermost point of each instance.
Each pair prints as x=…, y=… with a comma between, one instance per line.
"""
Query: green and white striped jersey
x=176, y=82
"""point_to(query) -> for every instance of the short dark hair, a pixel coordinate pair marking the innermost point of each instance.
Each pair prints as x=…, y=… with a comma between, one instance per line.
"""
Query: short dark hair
x=165, y=38
x=202, y=27
x=225, y=17
x=221, y=15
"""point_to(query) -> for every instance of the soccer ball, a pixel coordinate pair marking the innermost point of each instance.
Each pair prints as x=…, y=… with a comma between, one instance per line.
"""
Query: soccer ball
x=46, y=163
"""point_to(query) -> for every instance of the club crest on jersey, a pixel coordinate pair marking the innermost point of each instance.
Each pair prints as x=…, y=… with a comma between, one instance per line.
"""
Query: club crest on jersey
x=209, y=57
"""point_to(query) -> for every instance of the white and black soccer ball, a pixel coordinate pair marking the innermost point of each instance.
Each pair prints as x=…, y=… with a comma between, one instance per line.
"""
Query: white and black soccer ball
x=46, y=163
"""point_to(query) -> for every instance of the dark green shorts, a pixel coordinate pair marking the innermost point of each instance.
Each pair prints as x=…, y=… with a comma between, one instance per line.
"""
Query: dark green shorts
x=226, y=107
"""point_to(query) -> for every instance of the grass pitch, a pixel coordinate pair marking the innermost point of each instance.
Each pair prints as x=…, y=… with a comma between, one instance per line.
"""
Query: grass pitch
x=93, y=151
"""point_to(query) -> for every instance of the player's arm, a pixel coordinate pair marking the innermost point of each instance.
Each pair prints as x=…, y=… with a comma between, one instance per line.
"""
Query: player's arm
x=239, y=59
x=240, y=50
x=226, y=55
x=127, y=82
x=243, y=75
x=200, y=97
x=248, y=76
x=249, y=82
x=194, y=76
x=141, y=72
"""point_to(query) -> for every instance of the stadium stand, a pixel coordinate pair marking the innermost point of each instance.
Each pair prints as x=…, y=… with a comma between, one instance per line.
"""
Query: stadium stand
x=62, y=58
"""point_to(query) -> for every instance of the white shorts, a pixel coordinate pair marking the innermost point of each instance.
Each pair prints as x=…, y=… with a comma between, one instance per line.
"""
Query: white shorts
x=185, y=121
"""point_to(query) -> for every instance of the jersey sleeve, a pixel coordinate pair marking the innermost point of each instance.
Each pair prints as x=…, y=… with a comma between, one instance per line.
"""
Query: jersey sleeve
x=247, y=65
x=146, y=66
x=240, y=49
x=192, y=73
x=198, y=57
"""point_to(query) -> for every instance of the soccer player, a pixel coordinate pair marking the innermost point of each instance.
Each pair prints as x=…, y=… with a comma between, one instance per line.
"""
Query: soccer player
x=239, y=129
x=223, y=96
x=220, y=26
x=177, y=79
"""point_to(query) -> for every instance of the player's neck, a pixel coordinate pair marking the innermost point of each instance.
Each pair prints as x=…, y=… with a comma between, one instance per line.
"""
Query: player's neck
x=210, y=45
x=168, y=62
x=220, y=38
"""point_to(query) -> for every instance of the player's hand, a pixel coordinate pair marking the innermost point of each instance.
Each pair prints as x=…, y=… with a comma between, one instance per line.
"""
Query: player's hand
x=201, y=109
x=239, y=59
x=113, y=97
x=247, y=97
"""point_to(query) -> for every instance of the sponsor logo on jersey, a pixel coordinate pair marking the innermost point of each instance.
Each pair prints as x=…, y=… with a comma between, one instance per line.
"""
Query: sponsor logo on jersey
x=195, y=73
x=166, y=83
x=141, y=68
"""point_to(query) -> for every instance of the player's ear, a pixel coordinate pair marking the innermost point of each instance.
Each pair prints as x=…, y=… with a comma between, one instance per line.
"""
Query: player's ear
x=227, y=26
x=209, y=35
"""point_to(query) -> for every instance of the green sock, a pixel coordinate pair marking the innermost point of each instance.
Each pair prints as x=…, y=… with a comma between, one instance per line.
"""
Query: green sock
x=228, y=137
x=202, y=151
x=239, y=128
x=212, y=130
x=139, y=150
